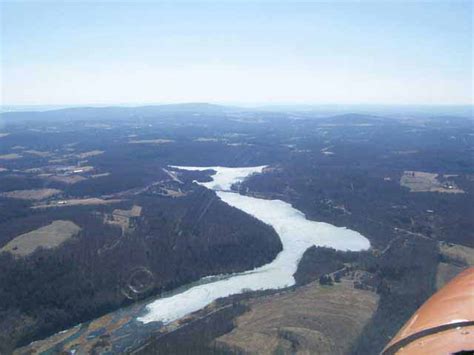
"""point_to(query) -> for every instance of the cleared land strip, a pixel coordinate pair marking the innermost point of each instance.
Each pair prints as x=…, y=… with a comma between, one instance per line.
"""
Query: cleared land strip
x=78, y=202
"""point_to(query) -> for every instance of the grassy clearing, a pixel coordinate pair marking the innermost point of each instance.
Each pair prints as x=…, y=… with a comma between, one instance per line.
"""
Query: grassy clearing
x=10, y=156
x=418, y=181
x=312, y=319
x=48, y=237
x=34, y=195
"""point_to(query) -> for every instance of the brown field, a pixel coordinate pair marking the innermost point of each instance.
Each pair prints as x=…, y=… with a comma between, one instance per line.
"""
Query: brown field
x=10, y=156
x=35, y=195
x=77, y=202
x=418, y=181
x=48, y=237
x=313, y=319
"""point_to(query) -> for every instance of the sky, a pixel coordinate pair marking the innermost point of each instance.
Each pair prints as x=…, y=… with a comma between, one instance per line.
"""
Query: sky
x=248, y=52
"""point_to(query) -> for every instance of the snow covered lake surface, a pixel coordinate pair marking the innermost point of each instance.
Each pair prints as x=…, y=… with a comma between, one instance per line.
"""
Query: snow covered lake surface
x=296, y=233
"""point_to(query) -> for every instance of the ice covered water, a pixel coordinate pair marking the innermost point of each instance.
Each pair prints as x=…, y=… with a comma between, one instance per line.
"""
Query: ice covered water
x=296, y=233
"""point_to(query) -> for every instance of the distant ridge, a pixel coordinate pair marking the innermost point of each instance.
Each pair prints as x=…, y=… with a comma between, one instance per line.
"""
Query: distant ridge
x=341, y=115
x=114, y=112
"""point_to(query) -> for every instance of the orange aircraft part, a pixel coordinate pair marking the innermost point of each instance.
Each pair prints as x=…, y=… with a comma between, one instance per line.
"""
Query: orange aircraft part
x=448, y=342
x=442, y=325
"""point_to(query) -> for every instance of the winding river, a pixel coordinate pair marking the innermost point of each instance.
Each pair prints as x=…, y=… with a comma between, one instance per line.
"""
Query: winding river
x=296, y=233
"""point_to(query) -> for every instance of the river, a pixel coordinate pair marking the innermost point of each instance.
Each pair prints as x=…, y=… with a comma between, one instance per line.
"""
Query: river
x=296, y=233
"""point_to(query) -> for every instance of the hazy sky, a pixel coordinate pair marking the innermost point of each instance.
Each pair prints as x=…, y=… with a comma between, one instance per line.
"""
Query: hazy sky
x=240, y=52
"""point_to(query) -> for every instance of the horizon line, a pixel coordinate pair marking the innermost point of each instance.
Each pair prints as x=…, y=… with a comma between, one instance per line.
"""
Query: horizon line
x=231, y=103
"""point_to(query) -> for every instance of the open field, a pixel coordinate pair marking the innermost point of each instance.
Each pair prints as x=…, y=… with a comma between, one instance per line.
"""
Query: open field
x=313, y=319
x=418, y=181
x=46, y=237
x=78, y=202
x=34, y=194
x=10, y=156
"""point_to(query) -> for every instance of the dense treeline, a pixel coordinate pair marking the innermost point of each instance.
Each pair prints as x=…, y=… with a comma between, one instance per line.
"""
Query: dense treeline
x=176, y=241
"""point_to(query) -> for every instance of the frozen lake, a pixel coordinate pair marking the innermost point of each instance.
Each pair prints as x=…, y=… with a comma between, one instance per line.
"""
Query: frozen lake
x=296, y=233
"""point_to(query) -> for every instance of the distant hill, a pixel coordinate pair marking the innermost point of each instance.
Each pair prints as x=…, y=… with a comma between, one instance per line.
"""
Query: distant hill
x=395, y=111
x=113, y=112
